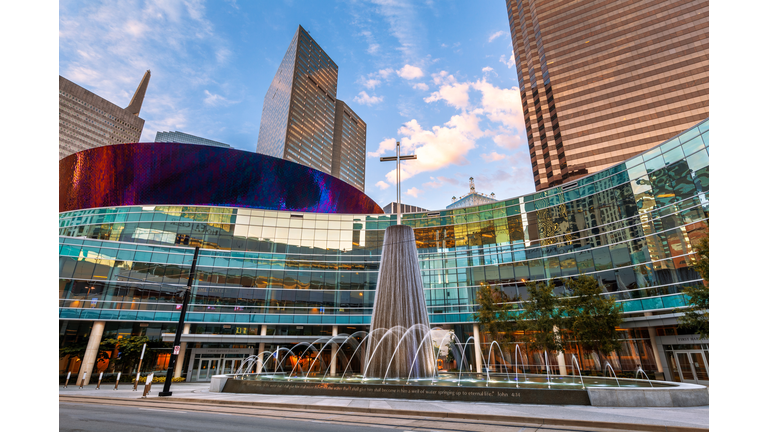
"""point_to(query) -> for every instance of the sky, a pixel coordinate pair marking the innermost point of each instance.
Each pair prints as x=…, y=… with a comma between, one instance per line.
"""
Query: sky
x=437, y=76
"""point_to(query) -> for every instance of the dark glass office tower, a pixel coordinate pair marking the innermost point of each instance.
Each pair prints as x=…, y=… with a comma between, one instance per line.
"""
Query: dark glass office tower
x=299, y=114
x=604, y=80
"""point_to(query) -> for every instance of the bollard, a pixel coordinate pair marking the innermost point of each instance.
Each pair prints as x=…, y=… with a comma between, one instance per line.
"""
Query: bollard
x=148, y=385
x=117, y=381
x=136, y=383
x=83, y=381
x=98, y=384
x=67, y=381
x=138, y=370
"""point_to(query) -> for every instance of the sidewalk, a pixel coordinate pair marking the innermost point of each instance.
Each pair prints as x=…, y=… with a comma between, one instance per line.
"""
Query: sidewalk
x=692, y=417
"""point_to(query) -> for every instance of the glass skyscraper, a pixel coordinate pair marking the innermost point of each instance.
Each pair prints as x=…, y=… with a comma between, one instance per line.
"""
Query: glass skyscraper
x=185, y=138
x=300, y=120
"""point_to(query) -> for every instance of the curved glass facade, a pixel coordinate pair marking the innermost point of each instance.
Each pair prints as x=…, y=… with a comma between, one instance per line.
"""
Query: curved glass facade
x=632, y=226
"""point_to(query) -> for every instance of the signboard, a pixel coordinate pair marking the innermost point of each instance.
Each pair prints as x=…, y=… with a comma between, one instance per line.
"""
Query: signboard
x=176, y=349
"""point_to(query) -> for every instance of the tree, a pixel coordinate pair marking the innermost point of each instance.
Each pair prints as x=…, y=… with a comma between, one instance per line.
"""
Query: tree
x=541, y=315
x=591, y=318
x=129, y=348
x=697, y=314
x=494, y=314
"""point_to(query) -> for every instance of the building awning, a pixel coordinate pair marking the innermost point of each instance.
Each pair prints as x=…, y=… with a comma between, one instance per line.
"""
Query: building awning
x=248, y=339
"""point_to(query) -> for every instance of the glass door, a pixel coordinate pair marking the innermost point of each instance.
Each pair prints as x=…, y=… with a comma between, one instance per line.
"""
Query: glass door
x=208, y=368
x=230, y=366
x=692, y=367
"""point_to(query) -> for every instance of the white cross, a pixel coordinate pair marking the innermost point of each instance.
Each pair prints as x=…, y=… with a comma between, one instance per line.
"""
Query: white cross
x=398, y=158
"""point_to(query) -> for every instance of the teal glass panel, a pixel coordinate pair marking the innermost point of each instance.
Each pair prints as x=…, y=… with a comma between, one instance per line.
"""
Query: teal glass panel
x=705, y=137
x=673, y=155
x=667, y=146
x=602, y=258
x=652, y=153
x=537, y=269
x=698, y=160
x=194, y=317
x=654, y=164
x=342, y=319
x=674, y=301
x=631, y=306
x=69, y=313
x=90, y=314
x=693, y=146
x=356, y=319
x=145, y=315
x=257, y=318
x=329, y=319
x=127, y=315
x=686, y=136
x=652, y=303
x=143, y=257
x=637, y=160
x=620, y=255
x=313, y=319
x=163, y=316
x=367, y=319
x=108, y=314
x=704, y=126
x=271, y=319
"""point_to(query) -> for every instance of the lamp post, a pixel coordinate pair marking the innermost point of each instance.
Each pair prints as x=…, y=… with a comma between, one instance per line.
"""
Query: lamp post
x=177, y=340
x=398, y=158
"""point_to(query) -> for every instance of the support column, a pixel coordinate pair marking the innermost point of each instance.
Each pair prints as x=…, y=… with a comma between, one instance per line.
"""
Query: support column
x=182, y=352
x=656, y=355
x=334, y=348
x=91, y=351
x=478, y=350
x=560, y=355
x=260, y=361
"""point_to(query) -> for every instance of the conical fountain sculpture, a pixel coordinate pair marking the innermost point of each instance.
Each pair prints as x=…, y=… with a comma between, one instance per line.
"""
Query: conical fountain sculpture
x=400, y=310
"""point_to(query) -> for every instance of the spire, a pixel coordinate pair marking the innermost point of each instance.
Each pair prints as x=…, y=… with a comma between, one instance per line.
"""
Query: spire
x=471, y=185
x=135, y=106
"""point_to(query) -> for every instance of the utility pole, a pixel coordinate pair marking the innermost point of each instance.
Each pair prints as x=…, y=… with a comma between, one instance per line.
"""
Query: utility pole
x=398, y=158
x=177, y=340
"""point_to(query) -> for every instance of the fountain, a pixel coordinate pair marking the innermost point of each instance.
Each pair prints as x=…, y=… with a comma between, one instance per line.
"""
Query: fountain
x=396, y=358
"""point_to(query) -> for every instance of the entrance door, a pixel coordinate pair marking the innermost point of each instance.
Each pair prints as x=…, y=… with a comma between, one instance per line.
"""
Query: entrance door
x=230, y=366
x=693, y=367
x=208, y=368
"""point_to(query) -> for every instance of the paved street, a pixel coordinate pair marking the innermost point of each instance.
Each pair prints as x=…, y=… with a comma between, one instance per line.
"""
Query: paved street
x=292, y=412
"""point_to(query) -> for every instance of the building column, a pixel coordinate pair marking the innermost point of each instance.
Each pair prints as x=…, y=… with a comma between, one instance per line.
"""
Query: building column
x=656, y=355
x=334, y=348
x=478, y=350
x=91, y=351
x=182, y=352
x=260, y=361
x=560, y=355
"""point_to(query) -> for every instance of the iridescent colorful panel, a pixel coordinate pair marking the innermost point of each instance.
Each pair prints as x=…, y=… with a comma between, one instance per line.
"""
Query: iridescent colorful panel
x=187, y=174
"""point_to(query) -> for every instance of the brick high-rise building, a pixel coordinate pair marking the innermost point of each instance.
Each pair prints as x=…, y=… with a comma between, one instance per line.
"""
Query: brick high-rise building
x=603, y=80
x=87, y=120
x=300, y=122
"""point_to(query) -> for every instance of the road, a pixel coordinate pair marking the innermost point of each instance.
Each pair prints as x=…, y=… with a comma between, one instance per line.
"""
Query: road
x=99, y=418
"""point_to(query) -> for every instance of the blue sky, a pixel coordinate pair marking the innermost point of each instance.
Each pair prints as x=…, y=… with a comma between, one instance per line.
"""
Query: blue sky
x=438, y=76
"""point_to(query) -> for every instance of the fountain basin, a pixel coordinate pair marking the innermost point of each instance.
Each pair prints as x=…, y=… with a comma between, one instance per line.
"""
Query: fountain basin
x=534, y=390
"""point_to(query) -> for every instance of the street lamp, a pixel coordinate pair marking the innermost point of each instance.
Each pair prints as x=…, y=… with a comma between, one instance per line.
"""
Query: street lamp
x=177, y=340
x=397, y=158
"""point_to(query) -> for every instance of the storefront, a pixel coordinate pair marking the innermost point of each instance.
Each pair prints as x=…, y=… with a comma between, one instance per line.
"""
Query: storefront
x=207, y=362
x=686, y=358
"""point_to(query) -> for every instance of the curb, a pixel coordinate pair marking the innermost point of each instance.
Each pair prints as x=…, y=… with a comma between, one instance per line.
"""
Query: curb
x=538, y=421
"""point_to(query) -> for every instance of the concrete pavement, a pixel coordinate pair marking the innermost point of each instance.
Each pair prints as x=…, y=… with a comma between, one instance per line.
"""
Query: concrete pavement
x=580, y=417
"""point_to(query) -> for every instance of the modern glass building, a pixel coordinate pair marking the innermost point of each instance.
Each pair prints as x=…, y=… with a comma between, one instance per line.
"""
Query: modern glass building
x=302, y=121
x=274, y=274
x=185, y=138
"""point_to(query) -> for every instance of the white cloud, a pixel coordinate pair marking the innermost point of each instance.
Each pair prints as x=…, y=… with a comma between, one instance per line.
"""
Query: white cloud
x=436, y=148
x=487, y=69
x=501, y=105
x=216, y=100
x=410, y=72
x=381, y=185
x=385, y=73
x=421, y=86
x=452, y=92
x=388, y=144
x=371, y=83
x=495, y=35
x=492, y=157
x=414, y=192
x=373, y=48
x=510, y=63
x=363, y=98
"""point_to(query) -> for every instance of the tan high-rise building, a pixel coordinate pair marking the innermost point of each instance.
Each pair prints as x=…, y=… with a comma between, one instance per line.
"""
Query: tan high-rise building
x=87, y=120
x=603, y=80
